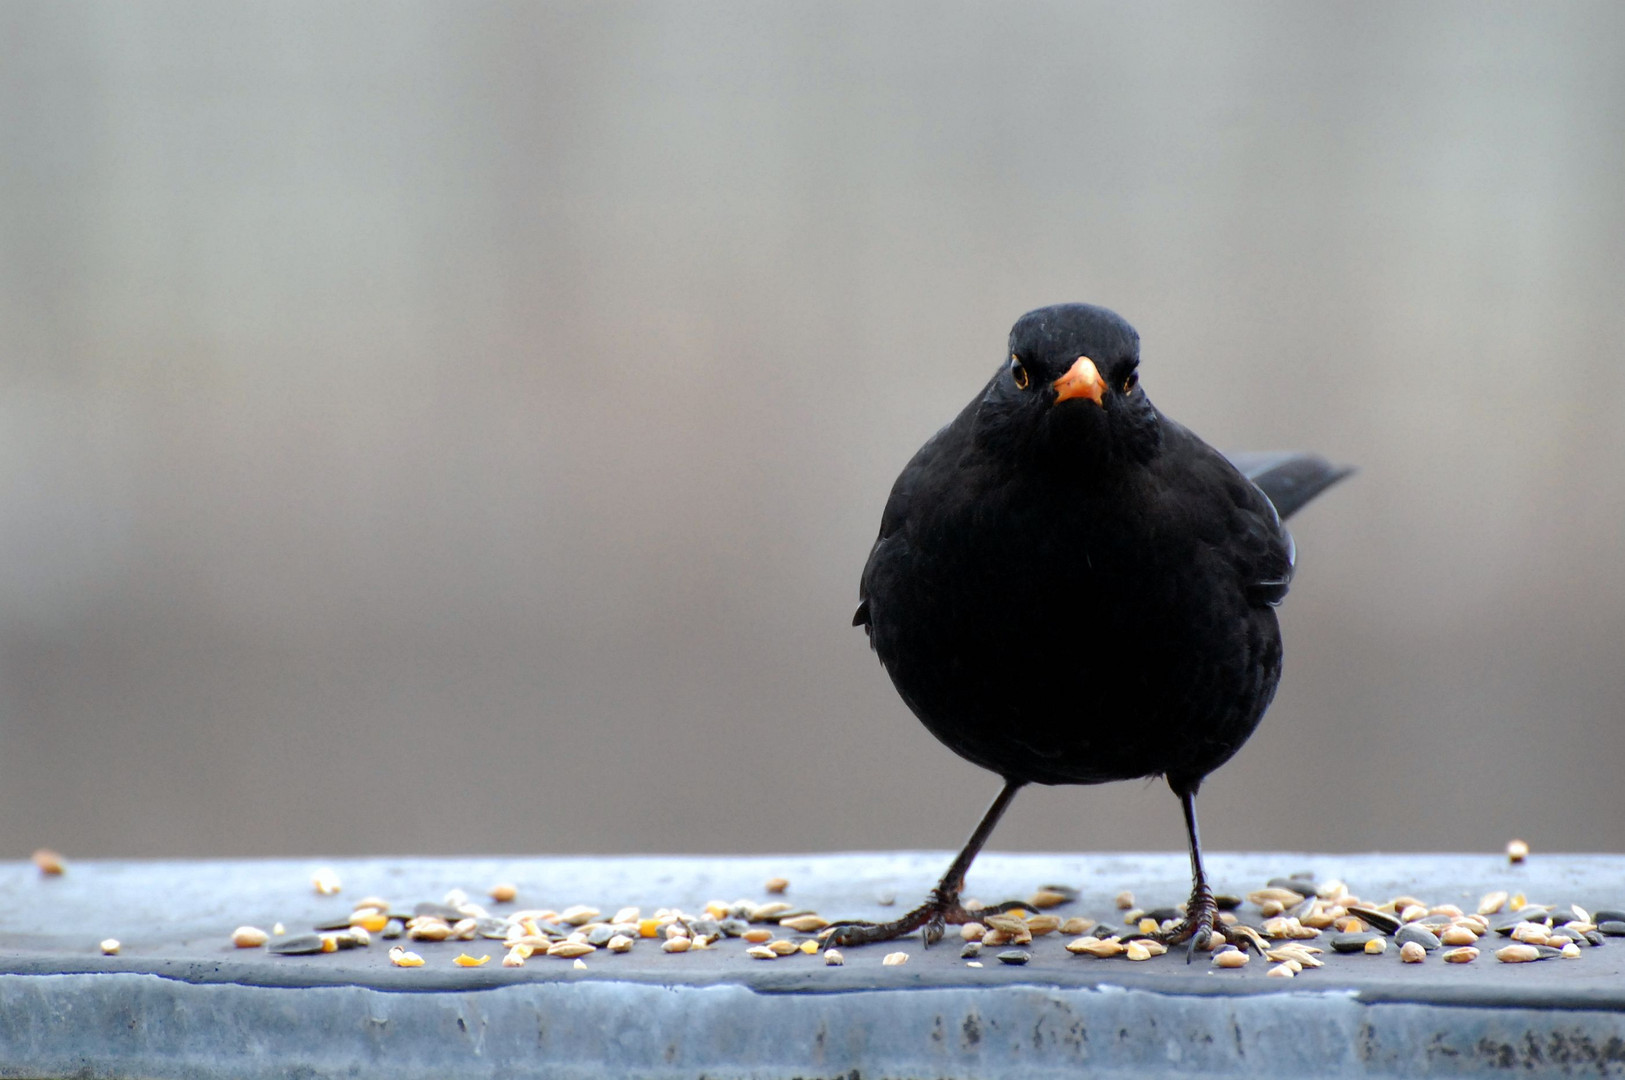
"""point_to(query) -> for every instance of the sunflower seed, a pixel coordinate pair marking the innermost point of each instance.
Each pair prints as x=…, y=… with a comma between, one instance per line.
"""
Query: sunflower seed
x=1015, y=956
x=971, y=951
x=1380, y=920
x=296, y=945
x=1421, y=936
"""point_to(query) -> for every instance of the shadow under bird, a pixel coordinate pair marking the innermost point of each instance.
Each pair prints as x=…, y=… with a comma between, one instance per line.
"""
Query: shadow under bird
x=1069, y=588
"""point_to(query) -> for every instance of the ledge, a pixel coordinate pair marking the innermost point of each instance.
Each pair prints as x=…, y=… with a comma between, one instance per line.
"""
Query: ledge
x=180, y=1001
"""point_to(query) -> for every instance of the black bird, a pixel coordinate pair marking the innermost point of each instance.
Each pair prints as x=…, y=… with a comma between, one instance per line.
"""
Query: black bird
x=1071, y=588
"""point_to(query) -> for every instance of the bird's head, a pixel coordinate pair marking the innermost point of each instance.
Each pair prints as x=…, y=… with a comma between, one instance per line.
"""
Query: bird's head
x=1069, y=390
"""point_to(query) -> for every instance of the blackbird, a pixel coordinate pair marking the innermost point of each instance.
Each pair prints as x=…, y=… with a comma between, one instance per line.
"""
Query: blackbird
x=1070, y=588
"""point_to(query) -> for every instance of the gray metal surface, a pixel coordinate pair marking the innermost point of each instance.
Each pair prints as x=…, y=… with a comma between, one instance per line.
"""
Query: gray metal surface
x=180, y=1001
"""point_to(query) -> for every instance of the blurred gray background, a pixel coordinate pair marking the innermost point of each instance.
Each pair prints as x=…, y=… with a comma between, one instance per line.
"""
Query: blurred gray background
x=459, y=427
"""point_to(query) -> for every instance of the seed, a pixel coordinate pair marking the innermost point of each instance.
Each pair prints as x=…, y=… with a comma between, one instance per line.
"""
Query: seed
x=809, y=946
x=973, y=931
x=971, y=950
x=428, y=929
x=249, y=937
x=1094, y=946
x=619, y=943
x=1530, y=933
x=465, y=929
x=370, y=918
x=325, y=882
x=677, y=944
x=110, y=946
x=1285, y=897
x=805, y=924
x=761, y=952
x=648, y=927
x=377, y=902
x=676, y=930
x=1349, y=924
x=1077, y=925
x=571, y=949
x=833, y=957
x=1571, y=951
x=1281, y=971
x=1412, y=912
x=503, y=892
x=768, y=912
x=1517, y=954
x=465, y=960
x=1230, y=958
x=782, y=947
x=1302, y=955
x=516, y=957
x=1518, y=902
x=1006, y=923
x=1152, y=946
x=579, y=915
x=1049, y=896
x=49, y=862
x=1377, y=946
x=995, y=938
x=896, y=959
x=1148, y=926
x=1492, y=902
x=1580, y=913
x=1464, y=955
x=1124, y=900
x=1457, y=935
x=1517, y=851
x=1445, y=909
x=1137, y=951
x=1412, y=953
x=1331, y=890
x=1039, y=925
x=1271, y=908
x=1612, y=927
x=1015, y=956
x=394, y=928
x=626, y=915
x=776, y=885
x=1419, y=934
x=757, y=936
x=297, y=945
x=401, y=958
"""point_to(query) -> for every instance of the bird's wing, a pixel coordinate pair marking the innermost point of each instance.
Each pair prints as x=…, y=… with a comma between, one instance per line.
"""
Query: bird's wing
x=894, y=519
x=1289, y=478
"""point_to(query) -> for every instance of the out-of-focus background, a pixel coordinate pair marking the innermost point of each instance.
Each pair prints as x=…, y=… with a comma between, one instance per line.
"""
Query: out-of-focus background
x=441, y=427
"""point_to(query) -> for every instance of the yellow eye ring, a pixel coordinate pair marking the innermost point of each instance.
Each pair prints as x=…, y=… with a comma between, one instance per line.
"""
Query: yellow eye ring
x=1130, y=381
x=1018, y=372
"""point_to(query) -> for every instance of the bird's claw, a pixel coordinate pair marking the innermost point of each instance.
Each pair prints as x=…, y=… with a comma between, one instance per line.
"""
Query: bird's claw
x=1198, y=926
x=931, y=918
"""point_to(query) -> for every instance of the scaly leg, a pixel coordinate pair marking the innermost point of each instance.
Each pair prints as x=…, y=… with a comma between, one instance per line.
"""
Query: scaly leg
x=1201, y=912
x=942, y=905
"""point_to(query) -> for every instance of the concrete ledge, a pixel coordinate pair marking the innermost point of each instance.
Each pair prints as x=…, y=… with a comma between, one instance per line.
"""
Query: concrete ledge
x=180, y=1001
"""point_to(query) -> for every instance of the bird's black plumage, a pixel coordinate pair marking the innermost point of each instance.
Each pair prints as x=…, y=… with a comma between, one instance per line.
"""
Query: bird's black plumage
x=1069, y=587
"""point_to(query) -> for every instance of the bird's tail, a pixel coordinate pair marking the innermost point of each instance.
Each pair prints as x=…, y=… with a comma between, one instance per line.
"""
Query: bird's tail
x=1288, y=478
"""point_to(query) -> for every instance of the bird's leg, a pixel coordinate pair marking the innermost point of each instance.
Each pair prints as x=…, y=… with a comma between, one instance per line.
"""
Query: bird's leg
x=1201, y=912
x=942, y=906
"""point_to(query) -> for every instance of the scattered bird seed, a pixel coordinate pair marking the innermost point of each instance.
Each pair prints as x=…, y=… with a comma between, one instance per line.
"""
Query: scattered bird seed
x=1412, y=953
x=782, y=947
x=110, y=946
x=1463, y=955
x=1124, y=900
x=249, y=937
x=1094, y=946
x=325, y=882
x=1517, y=954
x=1230, y=958
x=1039, y=925
x=1376, y=946
x=619, y=943
x=973, y=931
x=579, y=965
x=571, y=949
x=1457, y=935
x=401, y=958
x=1077, y=925
x=973, y=963
x=971, y=951
x=1517, y=851
x=776, y=885
x=1015, y=956
x=761, y=952
x=579, y=915
x=1603, y=915
x=515, y=957
x=757, y=936
x=297, y=945
x=1612, y=927
x=1518, y=902
x=503, y=892
x=394, y=928
x=277, y=930
x=1281, y=971
x=896, y=959
x=50, y=863
x=1380, y=920
x=1049, y=896
x=675, y=944
x=805, y=924
x=1571, y=951
x=1134, y=950
x=465, y=960
x=1427, y=939
x=768, y=912
x=1492, y=902
x=833, y=957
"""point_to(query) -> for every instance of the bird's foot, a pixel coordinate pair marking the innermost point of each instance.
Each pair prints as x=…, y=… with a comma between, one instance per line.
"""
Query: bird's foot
x=1197, y=927
x=931, y=918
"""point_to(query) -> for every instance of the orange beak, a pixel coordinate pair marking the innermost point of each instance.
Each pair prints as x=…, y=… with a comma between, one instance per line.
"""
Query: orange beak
x=1081, y=380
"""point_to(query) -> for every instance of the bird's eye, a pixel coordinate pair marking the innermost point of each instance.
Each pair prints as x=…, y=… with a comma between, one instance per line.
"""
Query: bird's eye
x=1130, y=381
x=1018, y=372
